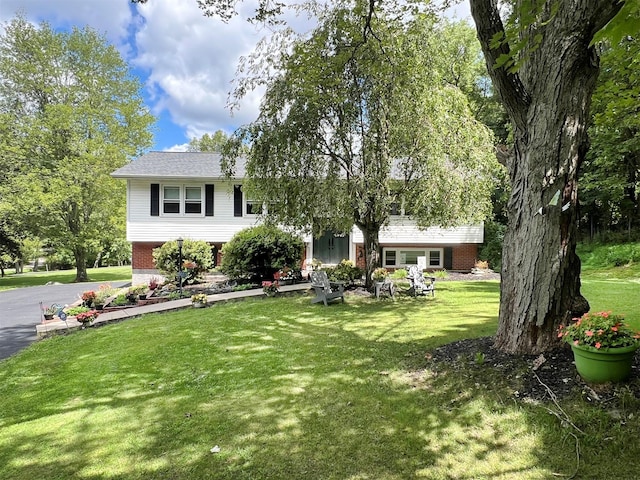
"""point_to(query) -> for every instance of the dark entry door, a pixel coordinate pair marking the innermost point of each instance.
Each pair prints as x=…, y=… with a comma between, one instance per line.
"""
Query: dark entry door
x=331, y=248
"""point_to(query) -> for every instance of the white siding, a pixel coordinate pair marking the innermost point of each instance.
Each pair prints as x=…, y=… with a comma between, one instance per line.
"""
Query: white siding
x=142, y=227
x=405, y=232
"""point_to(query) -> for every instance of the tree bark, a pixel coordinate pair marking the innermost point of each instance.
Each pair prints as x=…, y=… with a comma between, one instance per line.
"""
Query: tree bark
x=80, y=255
x=548, y=101
x=371, y=239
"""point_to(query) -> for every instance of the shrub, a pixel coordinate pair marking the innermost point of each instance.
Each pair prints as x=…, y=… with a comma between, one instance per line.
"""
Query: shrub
x=491, y=250
x=256, y=253
x=73, y=311
x=345, y=271
x=440, y=274
x=120, y=300
x=196, y=259
x=399, y=274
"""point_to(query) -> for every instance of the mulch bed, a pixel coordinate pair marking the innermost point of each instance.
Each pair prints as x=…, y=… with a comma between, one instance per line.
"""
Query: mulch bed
x=547, y=377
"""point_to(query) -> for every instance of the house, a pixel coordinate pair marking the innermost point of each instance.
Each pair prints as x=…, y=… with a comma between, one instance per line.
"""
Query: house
x=185, y=194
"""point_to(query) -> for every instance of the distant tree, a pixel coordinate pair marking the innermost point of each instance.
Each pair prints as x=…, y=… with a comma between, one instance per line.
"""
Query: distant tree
x=73, y=114
x=611, y=175
x=361, y=120
x=209, y=143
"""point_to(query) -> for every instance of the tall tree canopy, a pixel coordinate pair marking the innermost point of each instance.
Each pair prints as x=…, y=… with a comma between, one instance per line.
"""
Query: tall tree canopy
x=70, y=113
x=544, y=67
x=610, y=180
x=359, y=119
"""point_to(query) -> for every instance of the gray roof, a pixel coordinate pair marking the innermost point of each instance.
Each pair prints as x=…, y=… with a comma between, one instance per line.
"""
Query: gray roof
x=177, y=165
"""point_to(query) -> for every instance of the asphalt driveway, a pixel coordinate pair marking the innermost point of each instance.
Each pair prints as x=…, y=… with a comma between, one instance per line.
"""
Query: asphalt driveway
x=20, y=311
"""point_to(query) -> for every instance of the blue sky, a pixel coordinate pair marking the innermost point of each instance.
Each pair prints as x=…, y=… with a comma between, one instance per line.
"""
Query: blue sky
x=186, y=62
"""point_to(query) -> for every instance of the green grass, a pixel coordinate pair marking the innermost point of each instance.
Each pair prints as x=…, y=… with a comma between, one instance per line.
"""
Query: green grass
x=32, y=279
x=290, y=390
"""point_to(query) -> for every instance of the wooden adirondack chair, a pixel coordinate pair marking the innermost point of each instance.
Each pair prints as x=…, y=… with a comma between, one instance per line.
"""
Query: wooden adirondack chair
x=325, y=290
x=419, y=284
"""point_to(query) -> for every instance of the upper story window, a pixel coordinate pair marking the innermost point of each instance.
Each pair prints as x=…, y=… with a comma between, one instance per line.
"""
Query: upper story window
x=252, y=208
x=170, y=199
x=180, y=199
x=193, y=200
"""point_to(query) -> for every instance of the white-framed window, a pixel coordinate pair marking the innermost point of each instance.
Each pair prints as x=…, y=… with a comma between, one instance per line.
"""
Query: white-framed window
x=182, y=200
x=401, y=257
x=251, y=207
x=192, y=200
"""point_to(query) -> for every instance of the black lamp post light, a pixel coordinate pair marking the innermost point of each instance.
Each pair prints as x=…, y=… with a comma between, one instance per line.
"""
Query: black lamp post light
x=180, y=242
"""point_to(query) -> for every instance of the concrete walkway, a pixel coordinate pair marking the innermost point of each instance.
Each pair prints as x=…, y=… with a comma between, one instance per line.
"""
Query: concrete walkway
x=57, y=326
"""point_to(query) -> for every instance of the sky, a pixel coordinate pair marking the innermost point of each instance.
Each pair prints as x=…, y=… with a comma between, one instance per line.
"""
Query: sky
x=186, y=62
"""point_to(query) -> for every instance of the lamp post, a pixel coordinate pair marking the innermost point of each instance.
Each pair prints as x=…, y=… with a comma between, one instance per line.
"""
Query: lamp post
x=180, y=242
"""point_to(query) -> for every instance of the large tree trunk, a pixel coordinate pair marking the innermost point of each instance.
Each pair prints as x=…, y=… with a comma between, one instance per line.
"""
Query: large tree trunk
x=80, y=255
x=371, y=238
x=548, y=102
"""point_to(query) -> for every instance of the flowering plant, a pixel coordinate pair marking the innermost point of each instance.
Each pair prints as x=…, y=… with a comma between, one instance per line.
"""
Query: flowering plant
x=270, y=288
x=199, y=298
x=88, y=297
x=379, y=274
x=599, y=330
x=285, y=273
x=87, y=317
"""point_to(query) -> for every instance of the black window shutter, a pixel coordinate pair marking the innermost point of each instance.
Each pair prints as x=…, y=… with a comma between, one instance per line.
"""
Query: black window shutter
x=237, y=200
x=448, y=258
x=208, y=200
x=155, y=199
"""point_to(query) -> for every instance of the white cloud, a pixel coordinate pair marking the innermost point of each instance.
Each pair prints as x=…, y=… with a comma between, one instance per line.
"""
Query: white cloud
x=191, y=61
x=111, y=18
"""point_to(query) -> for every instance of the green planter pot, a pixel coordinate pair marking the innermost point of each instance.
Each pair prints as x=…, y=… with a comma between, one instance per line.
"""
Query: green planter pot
x=601, y=366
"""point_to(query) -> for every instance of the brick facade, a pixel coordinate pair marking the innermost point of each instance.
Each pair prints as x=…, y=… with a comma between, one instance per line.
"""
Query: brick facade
x=463, y=256
x=142, y=255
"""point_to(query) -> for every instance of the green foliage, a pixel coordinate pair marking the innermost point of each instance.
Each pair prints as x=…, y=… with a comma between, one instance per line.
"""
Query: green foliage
x=353, y=123
x=599, y=255
x=600, y=330
x=345, y=271
x=81, y=115
x=440, y=274
x=73, y=311
x=196, y=259
x=610, y=177
x=256, y=253
x=243, y=287
x=208, y=143
x=364, y=364
x=491, y=249
x=399, y=274
x=120, y=300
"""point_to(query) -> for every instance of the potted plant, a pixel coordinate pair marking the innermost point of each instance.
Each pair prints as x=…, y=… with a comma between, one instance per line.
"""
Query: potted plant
x=270, y=289
x=87, y=318
x=49, y=311
x=379, y=274
x=88, y=298
x=199, y=300
x=603, y=346
x=104, y=293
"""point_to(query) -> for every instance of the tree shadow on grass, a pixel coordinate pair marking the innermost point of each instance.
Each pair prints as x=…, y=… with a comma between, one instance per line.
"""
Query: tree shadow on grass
x=285, y=392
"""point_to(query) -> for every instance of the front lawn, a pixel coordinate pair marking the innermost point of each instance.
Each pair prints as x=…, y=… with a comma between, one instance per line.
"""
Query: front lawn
x=32, y=279
x=290, y=390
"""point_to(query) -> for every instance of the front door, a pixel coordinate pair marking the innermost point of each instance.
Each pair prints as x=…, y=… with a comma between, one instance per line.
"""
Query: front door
x=331, y=248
